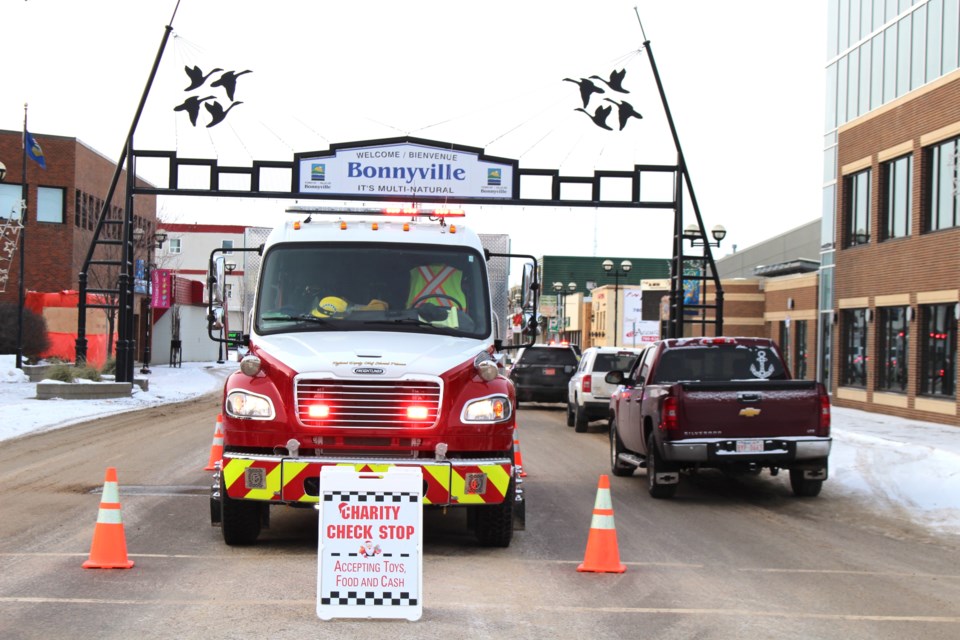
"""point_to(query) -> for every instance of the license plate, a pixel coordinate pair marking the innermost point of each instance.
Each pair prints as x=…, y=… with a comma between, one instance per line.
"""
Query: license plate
x=749, y=446
x=549, y=372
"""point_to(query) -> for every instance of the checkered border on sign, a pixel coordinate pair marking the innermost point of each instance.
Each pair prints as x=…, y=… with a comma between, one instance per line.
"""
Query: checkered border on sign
x=368, y=598
x=369, y=496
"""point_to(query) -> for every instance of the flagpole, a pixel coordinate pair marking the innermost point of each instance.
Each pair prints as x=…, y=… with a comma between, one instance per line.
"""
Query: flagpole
x=23, y=229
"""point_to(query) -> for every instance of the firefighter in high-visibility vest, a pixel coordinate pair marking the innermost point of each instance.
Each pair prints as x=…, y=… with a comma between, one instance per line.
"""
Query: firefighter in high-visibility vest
x=438, y=285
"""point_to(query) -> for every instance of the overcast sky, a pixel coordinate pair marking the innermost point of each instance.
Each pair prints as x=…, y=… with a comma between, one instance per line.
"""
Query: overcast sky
x=744, y=80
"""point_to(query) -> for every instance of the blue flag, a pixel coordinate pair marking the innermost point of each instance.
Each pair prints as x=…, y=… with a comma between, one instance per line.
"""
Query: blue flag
x=34, y=152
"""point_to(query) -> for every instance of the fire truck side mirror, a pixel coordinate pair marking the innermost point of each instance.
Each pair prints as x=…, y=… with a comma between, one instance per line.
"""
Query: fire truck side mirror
x=529, y=286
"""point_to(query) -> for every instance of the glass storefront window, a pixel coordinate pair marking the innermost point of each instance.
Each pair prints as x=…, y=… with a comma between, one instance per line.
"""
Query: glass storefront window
x=855, y=358
x=800, y=349
x=826, y=348
x=892, y=342
x=938, y=350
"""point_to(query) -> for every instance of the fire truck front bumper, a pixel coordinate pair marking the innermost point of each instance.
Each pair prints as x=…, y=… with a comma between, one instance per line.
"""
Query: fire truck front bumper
x=449, y=482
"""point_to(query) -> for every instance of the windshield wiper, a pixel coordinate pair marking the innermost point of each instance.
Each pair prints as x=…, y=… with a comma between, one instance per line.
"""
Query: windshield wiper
x=415, y=322
x=283, y=317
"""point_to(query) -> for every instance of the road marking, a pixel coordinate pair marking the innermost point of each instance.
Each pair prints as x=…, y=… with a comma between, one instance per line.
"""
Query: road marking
x=854, y=572
x=500, y=607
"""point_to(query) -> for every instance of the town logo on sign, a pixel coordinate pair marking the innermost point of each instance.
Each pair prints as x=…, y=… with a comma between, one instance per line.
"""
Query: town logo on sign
x=318, y=172
x=494, y=177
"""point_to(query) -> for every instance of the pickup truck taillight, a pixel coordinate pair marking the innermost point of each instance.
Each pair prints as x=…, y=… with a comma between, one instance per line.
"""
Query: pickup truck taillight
x=586, y=383
x=669, y=420
x=824, y=413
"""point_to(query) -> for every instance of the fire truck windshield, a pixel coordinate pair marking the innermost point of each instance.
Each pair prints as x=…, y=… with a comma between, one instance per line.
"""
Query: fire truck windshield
x=373, y=287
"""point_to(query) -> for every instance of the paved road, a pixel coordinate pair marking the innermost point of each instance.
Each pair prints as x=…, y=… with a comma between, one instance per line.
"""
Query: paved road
x=728, y=558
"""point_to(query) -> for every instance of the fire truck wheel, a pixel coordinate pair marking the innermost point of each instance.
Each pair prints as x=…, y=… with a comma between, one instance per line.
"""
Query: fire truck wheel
x=494, y=524
x=240, y=520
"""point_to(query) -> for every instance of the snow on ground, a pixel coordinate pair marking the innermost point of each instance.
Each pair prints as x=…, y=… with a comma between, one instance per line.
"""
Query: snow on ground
x=898, y=465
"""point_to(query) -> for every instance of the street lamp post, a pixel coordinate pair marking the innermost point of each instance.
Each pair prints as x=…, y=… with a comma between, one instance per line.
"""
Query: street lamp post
x=159, y=237
x=561, y=306
x=624, y=270
x=696, y=239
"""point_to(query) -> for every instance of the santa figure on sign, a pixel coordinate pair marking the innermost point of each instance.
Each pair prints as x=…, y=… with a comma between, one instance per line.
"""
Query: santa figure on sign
x=369, y=550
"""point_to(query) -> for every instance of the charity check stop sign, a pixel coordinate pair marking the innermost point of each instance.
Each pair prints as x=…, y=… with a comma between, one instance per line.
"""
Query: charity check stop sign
x=370, y=544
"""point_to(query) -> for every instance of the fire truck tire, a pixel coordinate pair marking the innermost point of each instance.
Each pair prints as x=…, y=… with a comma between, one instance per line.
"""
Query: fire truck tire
x=240, y=520
x=494, y=524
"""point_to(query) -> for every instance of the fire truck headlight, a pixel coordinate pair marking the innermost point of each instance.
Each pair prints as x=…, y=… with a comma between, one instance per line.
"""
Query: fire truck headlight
x=491, y=409
x=249, y=406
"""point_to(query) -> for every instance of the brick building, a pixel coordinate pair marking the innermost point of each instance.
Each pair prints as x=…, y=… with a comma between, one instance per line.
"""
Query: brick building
x=63, y=205
x=890, y=273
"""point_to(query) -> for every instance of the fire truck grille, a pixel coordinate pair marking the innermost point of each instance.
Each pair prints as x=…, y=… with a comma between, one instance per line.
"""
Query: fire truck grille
x=372, y=405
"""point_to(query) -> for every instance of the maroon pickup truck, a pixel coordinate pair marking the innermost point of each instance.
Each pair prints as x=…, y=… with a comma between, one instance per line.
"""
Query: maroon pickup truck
x=725, y=403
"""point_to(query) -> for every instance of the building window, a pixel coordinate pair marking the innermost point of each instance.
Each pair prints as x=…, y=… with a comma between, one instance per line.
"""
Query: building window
x=854, y=348
x=892, y=340
x=10, y=200
x=50, y=204
x=857, y=210
x=942, y=205
x=227, y=246
x=800, y=349
x=785, y=347
x=174, y=246
x=938, y=350
x=228, y=291
x=898, y=192
x=826, y=349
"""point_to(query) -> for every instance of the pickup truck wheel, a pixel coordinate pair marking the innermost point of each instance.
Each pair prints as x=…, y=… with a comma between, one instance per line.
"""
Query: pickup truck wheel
x=239, y=519
x=580, y=421
x=803, y=487
x=569, y=414
x=494, y=524
x=656, y=464
x=618, y=468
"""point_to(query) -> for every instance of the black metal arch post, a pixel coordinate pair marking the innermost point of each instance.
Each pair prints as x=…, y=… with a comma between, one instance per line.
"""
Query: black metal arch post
x=124, y=290
x=677, y=310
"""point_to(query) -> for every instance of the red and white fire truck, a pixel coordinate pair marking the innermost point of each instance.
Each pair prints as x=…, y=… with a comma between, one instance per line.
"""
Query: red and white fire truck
x=372, y=344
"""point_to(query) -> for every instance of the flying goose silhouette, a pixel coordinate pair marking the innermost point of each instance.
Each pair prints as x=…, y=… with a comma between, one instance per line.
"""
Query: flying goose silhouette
x=217, y=112
x=625, y=111
x=616, y=80
x=192, y=106
x=587, y=89
x=197, y=78
x=228, y=81
x=599, y=116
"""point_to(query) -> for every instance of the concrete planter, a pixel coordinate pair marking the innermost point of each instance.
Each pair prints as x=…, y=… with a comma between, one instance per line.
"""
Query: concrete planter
x=36, y=372
x=83, y=391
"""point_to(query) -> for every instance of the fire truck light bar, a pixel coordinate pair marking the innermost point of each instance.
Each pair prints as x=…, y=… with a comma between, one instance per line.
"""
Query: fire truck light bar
x=388, y=211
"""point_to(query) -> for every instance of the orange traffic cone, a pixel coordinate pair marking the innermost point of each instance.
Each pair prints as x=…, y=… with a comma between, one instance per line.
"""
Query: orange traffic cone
x=602, y=555
x=109, y=548
x=216, y=449
x=517, y=457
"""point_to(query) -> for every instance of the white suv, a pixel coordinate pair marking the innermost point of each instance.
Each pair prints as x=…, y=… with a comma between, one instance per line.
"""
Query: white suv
x=588, y=394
